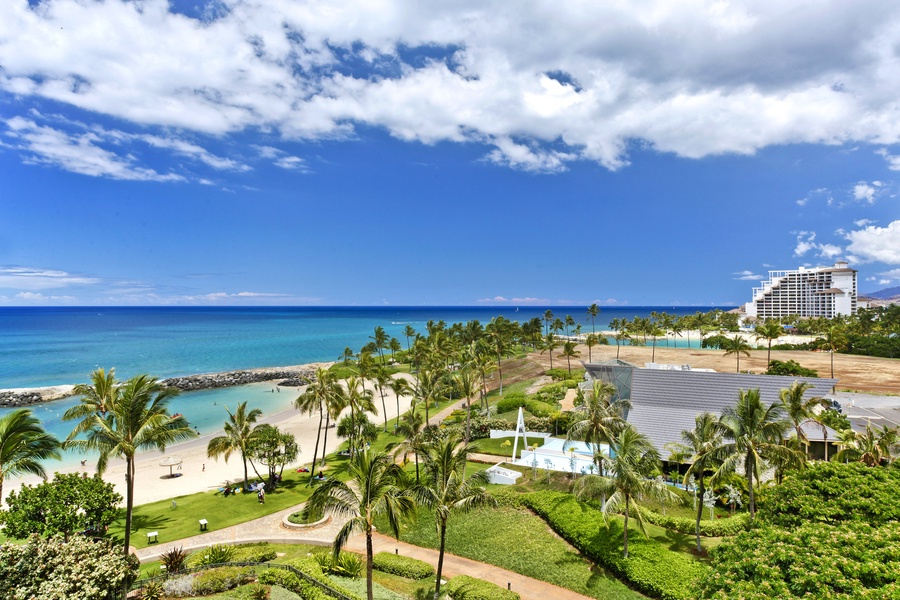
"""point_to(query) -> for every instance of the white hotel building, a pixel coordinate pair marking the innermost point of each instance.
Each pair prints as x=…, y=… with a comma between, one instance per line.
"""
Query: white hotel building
x=816, y=292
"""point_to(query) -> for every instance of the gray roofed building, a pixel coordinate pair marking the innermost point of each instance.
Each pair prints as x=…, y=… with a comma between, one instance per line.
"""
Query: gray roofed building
x=666, y=402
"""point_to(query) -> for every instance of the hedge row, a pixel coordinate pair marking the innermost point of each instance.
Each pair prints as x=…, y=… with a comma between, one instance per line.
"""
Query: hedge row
x=716, y=528
x=463, y=587
x=650, y=567
x=298, y=585
x=404, y=566
x=254, y=554
x=221, y=579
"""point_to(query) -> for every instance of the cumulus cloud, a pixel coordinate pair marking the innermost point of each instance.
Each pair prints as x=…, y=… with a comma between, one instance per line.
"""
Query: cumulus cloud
x=893, y=160
x=806, y=243
x=872, y=243
x=863, y=192
x=892, y=275
x=538, y=87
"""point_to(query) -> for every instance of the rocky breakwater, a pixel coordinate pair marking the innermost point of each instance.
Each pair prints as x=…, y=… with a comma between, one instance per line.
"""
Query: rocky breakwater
x=288, y=377
x=20, y=399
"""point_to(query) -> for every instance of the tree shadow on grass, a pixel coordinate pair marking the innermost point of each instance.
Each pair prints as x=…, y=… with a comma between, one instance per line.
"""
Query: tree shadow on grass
x=678, y=542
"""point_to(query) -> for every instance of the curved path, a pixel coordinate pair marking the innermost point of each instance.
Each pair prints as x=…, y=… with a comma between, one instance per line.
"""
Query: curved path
x=270, y=529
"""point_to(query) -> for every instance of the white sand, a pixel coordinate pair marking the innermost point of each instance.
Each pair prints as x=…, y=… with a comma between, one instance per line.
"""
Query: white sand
x=152, y=482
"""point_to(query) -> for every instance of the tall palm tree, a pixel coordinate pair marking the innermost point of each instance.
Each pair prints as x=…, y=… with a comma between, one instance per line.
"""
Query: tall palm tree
x=430, y=386
x=467, y=378
x=380, y=339
x=600, y=419
x=374, y=489
x=360, y=401
x=769, y=330
x=315, y=399
x=498, y=332
x=97, y=396
x=592, y=311
x=753, y=435
x=835, y=339
x=400, y=386
x=590, y=341
x=874, y=446
x=447, y=490
x=570, y=352
x=634, y=461
x=550, y=344
x=654, y=331
x=381, y=377
x=702, y=442
x=137, y=419
x=800, y=409
x=411, y=429
x=239, y=435
x=736, y=345
x=23, y=444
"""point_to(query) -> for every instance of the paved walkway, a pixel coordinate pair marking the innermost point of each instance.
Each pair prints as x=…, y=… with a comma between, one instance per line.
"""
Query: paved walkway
x=526, y=587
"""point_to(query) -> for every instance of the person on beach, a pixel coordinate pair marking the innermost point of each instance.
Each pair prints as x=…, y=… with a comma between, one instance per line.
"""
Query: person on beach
x=204, y=467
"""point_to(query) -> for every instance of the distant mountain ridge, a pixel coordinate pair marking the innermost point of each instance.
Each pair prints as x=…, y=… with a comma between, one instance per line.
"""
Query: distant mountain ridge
x=885, y=294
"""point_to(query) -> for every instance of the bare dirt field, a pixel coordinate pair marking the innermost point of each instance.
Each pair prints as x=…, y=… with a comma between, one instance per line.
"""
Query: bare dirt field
x=855, y=373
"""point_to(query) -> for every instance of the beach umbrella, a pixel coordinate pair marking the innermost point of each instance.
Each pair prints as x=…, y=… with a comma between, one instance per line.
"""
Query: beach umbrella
x=171, y=461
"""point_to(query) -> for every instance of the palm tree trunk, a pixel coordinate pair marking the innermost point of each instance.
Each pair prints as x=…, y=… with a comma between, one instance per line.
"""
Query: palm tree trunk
x=129, y=499
x=427, y=418
x=700, y=490
x=468, y=417
x=325, y=441
x=312, y=470
x=440, y=567
x=769, y=354
x=244, y=458
x=500, y=372
x=752, y=500
x=653, y=354
x=383, y=407
x=626, y=528
x=569, y=362
x=369, y=593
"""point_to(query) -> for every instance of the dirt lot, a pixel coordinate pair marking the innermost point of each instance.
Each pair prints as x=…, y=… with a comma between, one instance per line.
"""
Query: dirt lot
x=855, y=373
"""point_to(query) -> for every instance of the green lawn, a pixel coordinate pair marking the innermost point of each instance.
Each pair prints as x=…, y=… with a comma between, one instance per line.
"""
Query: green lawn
x=495, y=446
x=518, y=541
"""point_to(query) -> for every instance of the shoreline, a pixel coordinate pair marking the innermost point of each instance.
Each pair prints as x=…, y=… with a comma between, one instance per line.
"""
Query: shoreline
x=198, y=472
x=212, y=380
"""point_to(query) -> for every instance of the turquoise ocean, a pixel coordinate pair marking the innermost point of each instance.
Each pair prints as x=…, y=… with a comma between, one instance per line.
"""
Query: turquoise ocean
x=43, y=346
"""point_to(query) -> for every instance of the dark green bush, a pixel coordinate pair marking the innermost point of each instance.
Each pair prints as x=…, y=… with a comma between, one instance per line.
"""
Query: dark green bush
x=463, y=587
x=791, y=367
x=540, y=409
x=558, y=374
x=511, y=401
x=404, y=566
x=281, y=577
x=650, y=567
x=310, y=567
x=221, y=579
x=553, y=393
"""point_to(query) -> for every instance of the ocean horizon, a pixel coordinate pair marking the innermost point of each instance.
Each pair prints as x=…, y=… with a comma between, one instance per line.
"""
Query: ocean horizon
x=46, y=346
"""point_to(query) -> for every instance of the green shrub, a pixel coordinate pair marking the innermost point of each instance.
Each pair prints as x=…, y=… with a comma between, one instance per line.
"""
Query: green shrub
x=463, y=587
x=552, y=393
x=213, y=555
x=254, y=554
x=404, y=566
x=281, y=577
x=221, y=579
x=511, y=401
x=174, y=559
x=253, y=591
x=650, y=567
x=311, y=568
x=790, y=368
x=715, y=528
x=558, y=374
x=540, y=409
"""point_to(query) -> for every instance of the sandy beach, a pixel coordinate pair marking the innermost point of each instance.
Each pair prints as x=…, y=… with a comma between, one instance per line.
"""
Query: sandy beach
x=198, y=473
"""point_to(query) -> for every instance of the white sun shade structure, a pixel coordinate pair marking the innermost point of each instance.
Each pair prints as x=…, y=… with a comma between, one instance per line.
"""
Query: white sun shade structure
x=171, y=461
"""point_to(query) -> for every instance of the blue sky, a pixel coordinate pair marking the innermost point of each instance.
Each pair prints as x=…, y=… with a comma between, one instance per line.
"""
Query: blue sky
x=341, y=153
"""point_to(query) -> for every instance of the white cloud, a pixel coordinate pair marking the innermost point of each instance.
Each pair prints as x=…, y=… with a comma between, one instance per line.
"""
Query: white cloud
x=32, y=279
x=78, y=153
x=806, y=243
x=884, y=281
x=190, y=150
x=863, y=222
x=862, y=191
x=748, y=276
x=294, y=163
x=893, y=275
x=37, y=297
x=873, y=243
x=893, y=160
x=538, y=86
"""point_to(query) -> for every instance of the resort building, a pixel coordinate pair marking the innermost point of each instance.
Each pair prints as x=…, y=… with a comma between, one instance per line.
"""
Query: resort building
x=817, y=292
x=665, y=402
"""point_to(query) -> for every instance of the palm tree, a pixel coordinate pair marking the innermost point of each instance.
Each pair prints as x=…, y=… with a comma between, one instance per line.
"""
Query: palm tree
x=548, y=316
x=430, y=387
x=411, y=429
x=769, y=330
x=590, y=341
x=23, y=444
x=400, y=386
x=498, y=332
x=601, y=419
x=360, y=401
x=381, y=377
x=374, y=489
x=550, y=344
x=592, y=311
x=873, y=447
x=469, y=386
x=736, y=345
x=96, y=396
x=239, y=434
x=753, y=435
x=380, y=340
x=702, y=442
x=137, y=419
x=800, y=409
x=834, y=340
x=654, y=331
x=635, y=460
x=447, y=490
x=315, y=398
x=394, y=345
x=570, y=352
